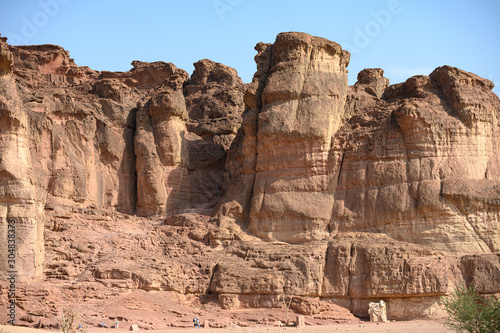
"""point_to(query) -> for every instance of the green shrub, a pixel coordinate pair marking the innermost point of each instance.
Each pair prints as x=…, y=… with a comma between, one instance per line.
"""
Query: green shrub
x=468, y=311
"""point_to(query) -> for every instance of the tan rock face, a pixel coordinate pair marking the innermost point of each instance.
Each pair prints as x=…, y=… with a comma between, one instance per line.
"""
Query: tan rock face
x=413, y=167
x=382, y=268
x=415, y=161
x=295, y=105
x=351, y=270
x=21, y=205
x=372, y=81
x=214, y=101
x=294, y=185
x=302, y=108
x=161, y=149
x=5, y=58
x=74, y=137
x=181, y=141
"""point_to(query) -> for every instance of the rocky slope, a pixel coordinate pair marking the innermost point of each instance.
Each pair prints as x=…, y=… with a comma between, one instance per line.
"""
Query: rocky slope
x=216, y=194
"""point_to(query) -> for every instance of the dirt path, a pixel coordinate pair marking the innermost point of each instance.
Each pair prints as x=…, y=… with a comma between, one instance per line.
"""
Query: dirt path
x=416, y=326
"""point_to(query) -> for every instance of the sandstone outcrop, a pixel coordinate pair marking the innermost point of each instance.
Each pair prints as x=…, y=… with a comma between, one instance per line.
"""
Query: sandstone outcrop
x=404, y=156
x=386, y=161
x=183, y=133
x=351, y=270
x=236, y=195
x=296, y=103
x=20, y=201
x=71, y=136
x=214, y=101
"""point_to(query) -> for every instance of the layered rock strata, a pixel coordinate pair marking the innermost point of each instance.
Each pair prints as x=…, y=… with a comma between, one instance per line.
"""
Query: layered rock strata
x=296, y=104
x=294, y=185
x=352, y=270
x=416, y=161
x=21, y=202
x=75, y=137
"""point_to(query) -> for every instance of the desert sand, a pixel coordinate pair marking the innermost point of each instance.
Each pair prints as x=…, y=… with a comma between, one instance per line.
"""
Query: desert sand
x=414, y=326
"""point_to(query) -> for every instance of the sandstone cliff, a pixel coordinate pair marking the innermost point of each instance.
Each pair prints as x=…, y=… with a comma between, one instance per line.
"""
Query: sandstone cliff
x=236, y=193
x=415, y=160
x=71, y=136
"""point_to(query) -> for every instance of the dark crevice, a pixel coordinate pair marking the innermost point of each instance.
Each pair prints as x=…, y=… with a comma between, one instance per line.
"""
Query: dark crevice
x=340, y=169
x=349, y=273
x=127, y=173
x=209, y=289
x=331, y=225
x=133, y=127
x=325, y=266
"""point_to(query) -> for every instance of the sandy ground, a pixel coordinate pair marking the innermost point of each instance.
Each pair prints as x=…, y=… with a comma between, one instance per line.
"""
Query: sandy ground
x=416, y=326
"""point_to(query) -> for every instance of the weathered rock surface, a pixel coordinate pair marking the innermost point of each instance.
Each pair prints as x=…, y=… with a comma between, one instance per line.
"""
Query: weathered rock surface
x=415, y=161
x=351, y=270
x=214, y=101
x=117, y=141
x=236, y=195
x=182, y=136
x=296, y=104
x=20, y=201
x=412, y=167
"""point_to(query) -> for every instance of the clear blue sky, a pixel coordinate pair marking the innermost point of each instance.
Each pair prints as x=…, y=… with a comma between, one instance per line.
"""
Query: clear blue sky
x=403, y=37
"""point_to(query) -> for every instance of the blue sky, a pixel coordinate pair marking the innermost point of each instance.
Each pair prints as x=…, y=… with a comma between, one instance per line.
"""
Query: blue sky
x=403, y=37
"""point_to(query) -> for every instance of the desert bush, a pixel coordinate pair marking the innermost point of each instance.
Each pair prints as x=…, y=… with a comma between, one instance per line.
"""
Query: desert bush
x=69, y=319
x=468, y=311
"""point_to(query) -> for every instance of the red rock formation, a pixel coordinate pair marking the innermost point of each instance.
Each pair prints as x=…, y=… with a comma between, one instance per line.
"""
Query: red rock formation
x=20, y=200
x=404, y=156
x=73, y=141
x=181, y=141
x=414, y=161
x=294, y=184
x=295, y=105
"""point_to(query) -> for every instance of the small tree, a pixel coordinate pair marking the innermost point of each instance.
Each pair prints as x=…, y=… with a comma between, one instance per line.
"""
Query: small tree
x=470, y=312
x=68, y=324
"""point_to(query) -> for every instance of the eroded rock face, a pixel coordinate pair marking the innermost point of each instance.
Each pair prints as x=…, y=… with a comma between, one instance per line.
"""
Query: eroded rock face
x=414, y=163
x=214, y=101
x=386, y=161
x=296, y=105
x=294, y=185
x=21, y=203
x=372, y=81
x=5, y=58
x=160, y=143
x=183, y=133
x=77, y=138
x=351, y=270
x=302, y=105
